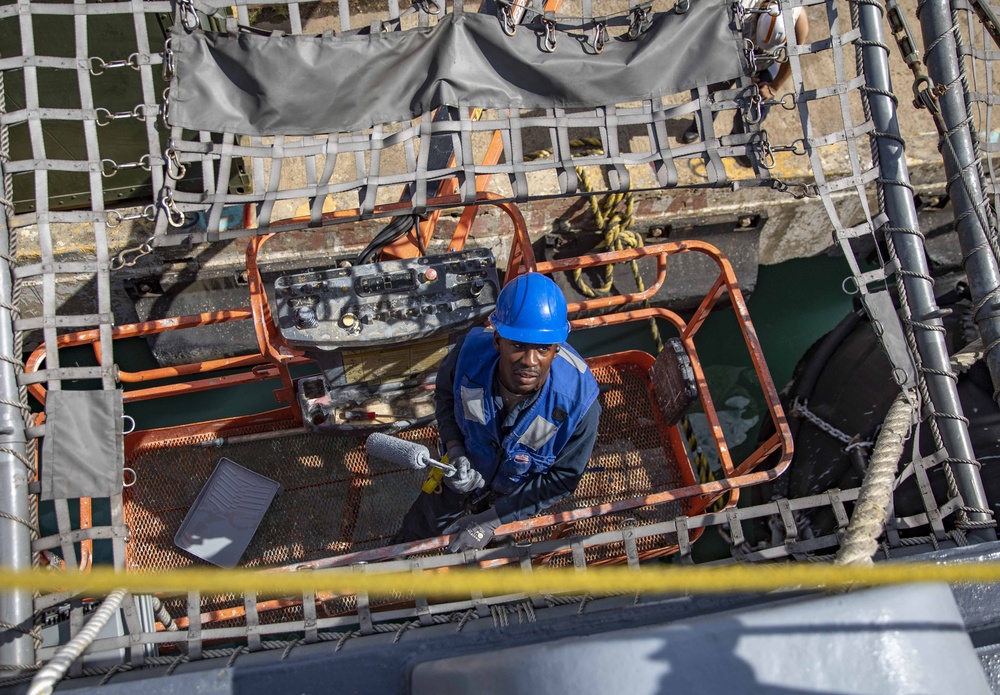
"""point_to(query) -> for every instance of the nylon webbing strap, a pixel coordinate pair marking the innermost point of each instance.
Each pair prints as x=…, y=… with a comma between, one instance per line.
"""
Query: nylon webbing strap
x=392, y=159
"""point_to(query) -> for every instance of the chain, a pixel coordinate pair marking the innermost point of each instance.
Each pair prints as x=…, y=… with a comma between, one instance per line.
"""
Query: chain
x=128, y=257
x=799, y=408
x=98, y=66
x=808, y=190
x=105, y=117
x=511, y=14
x=115, y=218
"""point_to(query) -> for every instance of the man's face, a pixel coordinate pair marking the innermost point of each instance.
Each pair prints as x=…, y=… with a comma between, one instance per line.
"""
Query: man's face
x=523, y=366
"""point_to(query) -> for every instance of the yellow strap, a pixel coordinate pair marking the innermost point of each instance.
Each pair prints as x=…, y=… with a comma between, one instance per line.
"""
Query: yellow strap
x=467, y=581
x=433, y=482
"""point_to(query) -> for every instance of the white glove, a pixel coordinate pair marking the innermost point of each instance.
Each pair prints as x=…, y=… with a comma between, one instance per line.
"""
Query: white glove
x=466, y=478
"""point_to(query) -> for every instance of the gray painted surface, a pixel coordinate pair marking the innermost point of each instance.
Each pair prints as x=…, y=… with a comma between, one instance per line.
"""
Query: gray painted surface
x=910, y=630
x=892, y=640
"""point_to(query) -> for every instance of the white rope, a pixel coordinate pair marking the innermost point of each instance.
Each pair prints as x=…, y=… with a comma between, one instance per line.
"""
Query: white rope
x=46, y=679
x=861, y=539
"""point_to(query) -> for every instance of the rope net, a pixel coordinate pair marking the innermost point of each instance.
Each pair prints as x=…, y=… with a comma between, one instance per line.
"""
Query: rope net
x=96, y=176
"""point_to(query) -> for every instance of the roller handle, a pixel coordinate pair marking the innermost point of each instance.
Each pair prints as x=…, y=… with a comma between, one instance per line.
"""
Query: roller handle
x=403, y=453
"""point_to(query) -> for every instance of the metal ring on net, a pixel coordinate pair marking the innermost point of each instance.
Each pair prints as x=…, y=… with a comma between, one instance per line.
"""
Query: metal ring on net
x=428, y=7
x=188, y=16
x=129, y=418
x=131, y=471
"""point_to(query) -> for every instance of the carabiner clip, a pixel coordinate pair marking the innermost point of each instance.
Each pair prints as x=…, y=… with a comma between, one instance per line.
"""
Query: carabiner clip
x=638, y=23
x=767, y=159
x=174, y=216
x=753, y=113
x=600, y=39
x=189, y=18
x=165, y=107
x=751, y=55
x=507, y=23
x=167, y=69
x=428, y=7
x=549, y=40
x=175, y=169
x=682, y=6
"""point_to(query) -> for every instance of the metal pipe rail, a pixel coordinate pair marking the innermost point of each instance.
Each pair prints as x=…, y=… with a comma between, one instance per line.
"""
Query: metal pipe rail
x=944, y=66
x=919, y=285
x=279, y=357
x=16, y=645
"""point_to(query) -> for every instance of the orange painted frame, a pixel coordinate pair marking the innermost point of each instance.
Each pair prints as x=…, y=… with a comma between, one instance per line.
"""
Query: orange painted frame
x=275, y=358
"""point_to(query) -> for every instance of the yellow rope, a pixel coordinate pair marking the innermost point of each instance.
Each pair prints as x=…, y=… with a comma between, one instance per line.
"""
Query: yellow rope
x=467, y=581
x=594, y=144
x=700, y=460
x=615, y=224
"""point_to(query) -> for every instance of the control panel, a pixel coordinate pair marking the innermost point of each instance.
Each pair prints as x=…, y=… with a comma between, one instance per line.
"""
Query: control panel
x=387, y=303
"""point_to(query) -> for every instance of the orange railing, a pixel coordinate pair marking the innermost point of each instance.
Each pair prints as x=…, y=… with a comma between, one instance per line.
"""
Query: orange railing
x=275, y=357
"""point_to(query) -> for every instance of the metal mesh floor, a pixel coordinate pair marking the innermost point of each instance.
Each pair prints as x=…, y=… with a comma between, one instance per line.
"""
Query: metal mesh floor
x=336, y=500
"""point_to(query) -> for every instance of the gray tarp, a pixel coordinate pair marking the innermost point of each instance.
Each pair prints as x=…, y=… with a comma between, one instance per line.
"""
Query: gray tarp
x=309, y=85
x=83, y=451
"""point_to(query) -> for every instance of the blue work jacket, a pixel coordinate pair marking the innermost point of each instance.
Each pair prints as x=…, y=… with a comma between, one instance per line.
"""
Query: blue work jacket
x=541, y=430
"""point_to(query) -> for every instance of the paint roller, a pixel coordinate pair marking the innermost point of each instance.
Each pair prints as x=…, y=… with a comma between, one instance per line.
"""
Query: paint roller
x=403, y=453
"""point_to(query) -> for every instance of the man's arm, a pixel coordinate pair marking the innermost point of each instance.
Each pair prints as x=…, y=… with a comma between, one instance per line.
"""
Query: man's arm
x=560, y=480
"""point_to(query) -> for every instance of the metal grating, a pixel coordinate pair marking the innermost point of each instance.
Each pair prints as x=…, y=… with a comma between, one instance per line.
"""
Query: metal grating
x=326, y=479
x=336, y=500
x=631, y=458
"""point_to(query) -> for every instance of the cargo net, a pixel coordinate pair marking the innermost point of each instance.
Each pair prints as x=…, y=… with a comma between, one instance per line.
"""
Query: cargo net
x=807, y=528
x=810, y=139
x=806, y=136
x=975, y=36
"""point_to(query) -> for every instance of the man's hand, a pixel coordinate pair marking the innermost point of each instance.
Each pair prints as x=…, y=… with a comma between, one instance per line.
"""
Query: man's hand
x=466, y=478
x=474, y=531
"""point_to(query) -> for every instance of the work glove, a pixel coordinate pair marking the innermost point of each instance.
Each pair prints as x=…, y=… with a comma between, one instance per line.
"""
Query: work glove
x=466, y=478
x=474, y=531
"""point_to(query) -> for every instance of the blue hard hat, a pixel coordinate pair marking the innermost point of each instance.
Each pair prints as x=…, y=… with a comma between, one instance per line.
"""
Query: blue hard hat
x=531, y=309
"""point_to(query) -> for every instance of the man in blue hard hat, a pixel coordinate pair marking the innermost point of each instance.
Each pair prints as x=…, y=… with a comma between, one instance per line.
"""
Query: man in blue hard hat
x=517, y=410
